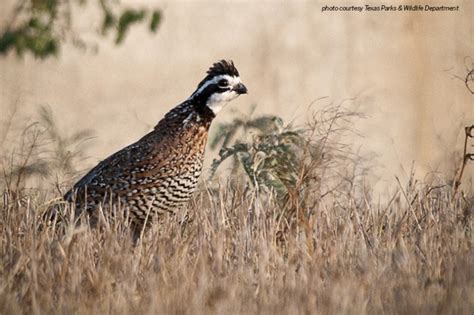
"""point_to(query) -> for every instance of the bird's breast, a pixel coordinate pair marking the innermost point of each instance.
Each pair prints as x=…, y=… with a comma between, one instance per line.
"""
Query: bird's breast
x=170, y=176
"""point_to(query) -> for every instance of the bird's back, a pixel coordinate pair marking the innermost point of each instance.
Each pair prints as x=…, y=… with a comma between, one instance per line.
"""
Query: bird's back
x=154, y=175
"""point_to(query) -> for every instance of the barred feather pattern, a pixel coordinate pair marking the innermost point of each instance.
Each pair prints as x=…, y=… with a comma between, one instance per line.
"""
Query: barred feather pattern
x=155, y=175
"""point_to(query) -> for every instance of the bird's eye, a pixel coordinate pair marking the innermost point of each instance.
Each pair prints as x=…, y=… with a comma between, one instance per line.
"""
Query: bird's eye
x=222, y=83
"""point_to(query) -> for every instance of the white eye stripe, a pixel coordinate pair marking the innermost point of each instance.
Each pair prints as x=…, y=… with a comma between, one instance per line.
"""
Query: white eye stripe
x=230, y=79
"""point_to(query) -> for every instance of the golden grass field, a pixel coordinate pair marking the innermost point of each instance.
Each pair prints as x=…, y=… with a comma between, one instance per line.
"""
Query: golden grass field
x=353, y=258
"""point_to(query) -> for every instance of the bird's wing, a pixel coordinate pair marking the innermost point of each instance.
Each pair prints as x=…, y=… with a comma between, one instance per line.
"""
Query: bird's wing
x=117, y=171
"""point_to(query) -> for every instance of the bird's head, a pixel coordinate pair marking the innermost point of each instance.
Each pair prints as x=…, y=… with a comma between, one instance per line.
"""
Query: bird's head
x=221, y=85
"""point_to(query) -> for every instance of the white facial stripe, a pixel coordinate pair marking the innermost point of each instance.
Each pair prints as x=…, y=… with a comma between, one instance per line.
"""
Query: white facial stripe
x=218, y=100
x=232, y=81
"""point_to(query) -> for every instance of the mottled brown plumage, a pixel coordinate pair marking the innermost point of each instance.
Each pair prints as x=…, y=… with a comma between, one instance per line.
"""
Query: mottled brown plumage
x=158, y=173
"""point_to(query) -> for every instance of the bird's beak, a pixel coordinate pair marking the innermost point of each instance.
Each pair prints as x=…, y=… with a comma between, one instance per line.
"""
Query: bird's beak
x=240, y=89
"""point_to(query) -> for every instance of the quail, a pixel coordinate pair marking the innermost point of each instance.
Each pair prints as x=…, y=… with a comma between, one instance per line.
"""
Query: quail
x=159, y=173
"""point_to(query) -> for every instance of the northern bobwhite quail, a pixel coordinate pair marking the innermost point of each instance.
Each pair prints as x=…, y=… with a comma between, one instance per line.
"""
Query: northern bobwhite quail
x=158, y=173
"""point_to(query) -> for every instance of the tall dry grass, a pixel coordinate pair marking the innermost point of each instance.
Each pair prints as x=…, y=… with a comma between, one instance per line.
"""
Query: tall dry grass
x=228, y=252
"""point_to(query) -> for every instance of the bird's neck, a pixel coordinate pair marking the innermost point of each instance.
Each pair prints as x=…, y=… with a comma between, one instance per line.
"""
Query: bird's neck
x=185, y=116
x=184, y=127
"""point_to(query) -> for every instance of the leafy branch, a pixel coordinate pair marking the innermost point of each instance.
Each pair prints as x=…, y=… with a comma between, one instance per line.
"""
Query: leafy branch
x=40, y=27
x=270, y=159
x=298, y=164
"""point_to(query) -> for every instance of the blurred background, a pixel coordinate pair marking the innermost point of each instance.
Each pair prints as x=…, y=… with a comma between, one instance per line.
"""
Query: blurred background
x=402, y=70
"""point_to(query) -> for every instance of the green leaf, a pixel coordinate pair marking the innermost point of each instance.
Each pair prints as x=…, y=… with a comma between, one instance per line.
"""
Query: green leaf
x=225, y=153
x=128, y=17
x=155, y=20
x=7, y=41
x=108, y=23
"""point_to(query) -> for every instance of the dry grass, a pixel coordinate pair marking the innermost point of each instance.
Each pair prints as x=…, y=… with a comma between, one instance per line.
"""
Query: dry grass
x=357, y=257
x=227, y=253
